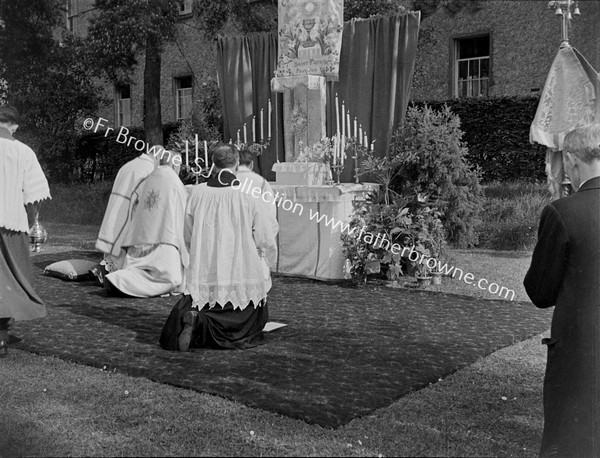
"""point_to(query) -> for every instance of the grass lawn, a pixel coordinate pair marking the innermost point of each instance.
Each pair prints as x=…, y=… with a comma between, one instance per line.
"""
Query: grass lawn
x=491, y=408
x=52, y=407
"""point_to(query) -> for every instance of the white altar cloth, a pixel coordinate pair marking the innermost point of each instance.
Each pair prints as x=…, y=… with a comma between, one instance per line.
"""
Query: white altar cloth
x=307, y=247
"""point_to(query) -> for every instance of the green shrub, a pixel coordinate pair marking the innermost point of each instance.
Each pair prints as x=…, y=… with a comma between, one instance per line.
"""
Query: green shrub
x=496, y=131
x=511, y=215
x=433, y=162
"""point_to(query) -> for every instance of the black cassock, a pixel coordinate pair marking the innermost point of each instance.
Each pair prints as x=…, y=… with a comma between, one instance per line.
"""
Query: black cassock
x=565, y=273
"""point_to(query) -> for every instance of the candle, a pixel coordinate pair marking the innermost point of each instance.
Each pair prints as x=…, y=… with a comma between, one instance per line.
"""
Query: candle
x=262, y=125
x=196, y=162
x=348, y=124
x=355, y=127
x=343, y=123
x=366, y=141
x=269, y=132
x=205, y=154
x=337, y=115
x=238, y=137
x=373, y=145
x=187, y=153
x=335, y=152
x=359, y=139
x=253, y=129
x=245, y=134
x=343, y=148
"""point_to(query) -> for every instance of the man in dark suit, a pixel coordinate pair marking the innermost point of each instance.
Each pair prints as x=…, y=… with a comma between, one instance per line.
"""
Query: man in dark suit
x=565, y=273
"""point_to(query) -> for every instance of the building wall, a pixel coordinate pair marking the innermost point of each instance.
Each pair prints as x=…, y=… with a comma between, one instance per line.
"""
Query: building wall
x=525, y=36
x=190, y=55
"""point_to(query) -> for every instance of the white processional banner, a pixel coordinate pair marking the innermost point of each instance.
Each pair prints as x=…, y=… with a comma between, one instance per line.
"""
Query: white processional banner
x=570, y=99
x=310, y=37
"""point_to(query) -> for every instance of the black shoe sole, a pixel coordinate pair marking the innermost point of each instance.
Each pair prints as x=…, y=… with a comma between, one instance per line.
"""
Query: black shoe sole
x=190, y=321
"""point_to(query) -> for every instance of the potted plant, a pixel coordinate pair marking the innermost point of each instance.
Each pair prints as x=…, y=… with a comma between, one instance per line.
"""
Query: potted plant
x=423, y=275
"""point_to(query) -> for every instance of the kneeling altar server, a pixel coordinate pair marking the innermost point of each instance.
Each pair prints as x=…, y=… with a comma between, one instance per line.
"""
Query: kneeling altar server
x=231, y=247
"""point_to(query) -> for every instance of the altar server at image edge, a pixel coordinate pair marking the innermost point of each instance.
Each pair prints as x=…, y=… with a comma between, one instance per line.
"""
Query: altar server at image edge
x=22, y=187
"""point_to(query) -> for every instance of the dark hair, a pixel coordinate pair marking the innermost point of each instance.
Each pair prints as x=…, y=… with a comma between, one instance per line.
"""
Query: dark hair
x=9, y=114
x=246, y=157
x=225, y=156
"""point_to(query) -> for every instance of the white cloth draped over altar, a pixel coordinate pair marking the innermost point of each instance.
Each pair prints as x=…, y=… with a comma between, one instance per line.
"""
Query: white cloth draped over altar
x=310, y=247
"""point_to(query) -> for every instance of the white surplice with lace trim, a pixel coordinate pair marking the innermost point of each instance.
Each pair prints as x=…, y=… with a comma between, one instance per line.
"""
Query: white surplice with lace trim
x=231, y=245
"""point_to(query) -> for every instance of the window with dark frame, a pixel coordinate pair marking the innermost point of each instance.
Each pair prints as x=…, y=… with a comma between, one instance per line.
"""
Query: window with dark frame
x=185, y=7
x=472, y=66
x=124, y=105
x=183, y=97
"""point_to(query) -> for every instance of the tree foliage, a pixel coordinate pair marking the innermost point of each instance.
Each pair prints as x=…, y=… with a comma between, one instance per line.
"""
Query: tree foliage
x=118, y=36
x=47, y=80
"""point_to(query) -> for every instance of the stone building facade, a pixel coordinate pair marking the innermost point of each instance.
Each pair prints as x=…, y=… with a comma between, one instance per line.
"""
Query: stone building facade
x=187, y=63
x=521, y=37
x=499, y=48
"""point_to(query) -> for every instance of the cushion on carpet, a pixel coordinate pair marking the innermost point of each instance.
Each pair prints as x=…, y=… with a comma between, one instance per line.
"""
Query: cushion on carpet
x=71, y=269
x=344, y=353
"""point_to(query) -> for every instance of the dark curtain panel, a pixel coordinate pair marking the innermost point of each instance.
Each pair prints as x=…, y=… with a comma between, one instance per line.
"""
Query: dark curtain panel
x=376, y=66
x=245, y=67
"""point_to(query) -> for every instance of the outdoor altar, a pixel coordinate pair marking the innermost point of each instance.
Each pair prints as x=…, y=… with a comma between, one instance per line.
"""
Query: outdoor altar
x=327, y=89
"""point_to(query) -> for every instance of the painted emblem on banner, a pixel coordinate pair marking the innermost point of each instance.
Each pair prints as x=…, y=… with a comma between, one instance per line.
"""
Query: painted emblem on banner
x=310, y=37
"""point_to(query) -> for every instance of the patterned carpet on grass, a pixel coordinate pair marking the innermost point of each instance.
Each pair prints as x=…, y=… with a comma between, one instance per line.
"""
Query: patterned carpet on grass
x=344, y=353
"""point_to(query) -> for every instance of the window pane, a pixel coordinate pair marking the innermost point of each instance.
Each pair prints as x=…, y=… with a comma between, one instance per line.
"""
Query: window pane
x=485, y=68
x=474, y=47
x=184, y=103
x=484, y=87
x=474, y=68
x=463, y=69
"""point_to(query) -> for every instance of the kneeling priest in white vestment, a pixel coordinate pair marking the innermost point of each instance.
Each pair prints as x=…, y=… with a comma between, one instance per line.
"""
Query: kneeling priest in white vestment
x=231, y=248
x=118, y=212
x=156, y=254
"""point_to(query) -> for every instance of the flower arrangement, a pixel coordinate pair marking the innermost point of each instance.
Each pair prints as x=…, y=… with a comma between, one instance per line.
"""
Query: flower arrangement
x=321, y=151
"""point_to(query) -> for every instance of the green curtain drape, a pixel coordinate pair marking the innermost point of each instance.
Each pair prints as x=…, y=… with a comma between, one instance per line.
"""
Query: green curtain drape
x=376, y=66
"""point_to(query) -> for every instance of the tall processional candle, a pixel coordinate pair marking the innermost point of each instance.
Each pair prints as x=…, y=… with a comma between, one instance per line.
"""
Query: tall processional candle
x=269, y=131
x=262, y=124
x=238, y=136
x=348, y=124
x=187, y=153
x=253, y=129
x=196, y=150
x=205, y=154
x=245, y=134
x=343, y=118
x=335, y=152
x=337, y=115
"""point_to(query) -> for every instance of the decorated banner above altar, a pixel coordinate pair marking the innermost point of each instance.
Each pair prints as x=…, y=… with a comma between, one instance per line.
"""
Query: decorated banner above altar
x=310, y=37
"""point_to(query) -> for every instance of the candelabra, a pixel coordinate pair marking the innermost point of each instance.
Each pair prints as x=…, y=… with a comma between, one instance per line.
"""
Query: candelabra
x=563, y=8
x=337, y=168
